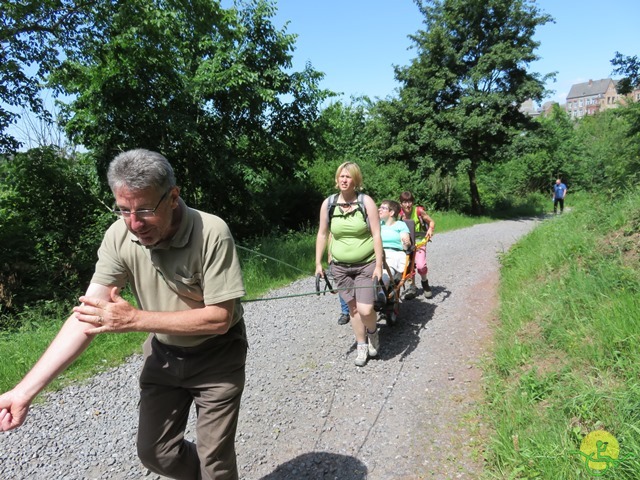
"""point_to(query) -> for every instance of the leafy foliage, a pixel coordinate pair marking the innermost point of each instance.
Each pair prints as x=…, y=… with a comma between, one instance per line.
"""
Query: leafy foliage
x=209, y=88
x=608, y=161
x=629, y=68
x=52, y=224
x=459, y=103
x=31, y=33
x=597, y=153
x=538, y=156
x=349, y=133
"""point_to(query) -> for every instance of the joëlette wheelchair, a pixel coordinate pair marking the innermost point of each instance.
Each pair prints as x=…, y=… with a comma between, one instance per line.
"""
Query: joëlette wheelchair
x=389, y=308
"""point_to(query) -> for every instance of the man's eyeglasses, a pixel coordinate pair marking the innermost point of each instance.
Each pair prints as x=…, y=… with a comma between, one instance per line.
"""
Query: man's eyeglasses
x=144, y=213
x=383, y=207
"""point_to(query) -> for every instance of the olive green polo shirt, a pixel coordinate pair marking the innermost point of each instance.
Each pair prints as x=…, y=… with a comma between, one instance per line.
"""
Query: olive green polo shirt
x=199, y=266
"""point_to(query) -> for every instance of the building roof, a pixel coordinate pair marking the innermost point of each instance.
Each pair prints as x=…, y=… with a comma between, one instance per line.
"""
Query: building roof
x=587, y=89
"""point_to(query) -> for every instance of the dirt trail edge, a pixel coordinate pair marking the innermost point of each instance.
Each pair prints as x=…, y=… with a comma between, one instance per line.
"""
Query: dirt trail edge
x=308, y=412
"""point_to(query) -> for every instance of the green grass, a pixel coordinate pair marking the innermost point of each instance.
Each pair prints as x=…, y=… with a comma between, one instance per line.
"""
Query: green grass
x=566, y=359
x=273, y=262
x=447, y=221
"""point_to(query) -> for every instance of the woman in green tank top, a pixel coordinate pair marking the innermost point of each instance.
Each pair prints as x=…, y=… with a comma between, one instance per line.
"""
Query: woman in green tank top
x=356, y=255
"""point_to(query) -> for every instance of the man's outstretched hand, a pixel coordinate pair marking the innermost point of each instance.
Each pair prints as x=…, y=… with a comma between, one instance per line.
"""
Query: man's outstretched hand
x=13, y=410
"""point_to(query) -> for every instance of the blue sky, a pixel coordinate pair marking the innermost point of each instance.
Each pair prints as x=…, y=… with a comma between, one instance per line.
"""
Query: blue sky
x=357, y=42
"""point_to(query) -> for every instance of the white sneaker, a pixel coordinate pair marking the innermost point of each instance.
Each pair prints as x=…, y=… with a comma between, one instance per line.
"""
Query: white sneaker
x=374, y=343
x=363, y=353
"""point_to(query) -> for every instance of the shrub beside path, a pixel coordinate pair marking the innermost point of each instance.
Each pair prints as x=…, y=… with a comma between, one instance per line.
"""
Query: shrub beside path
x=307, y=411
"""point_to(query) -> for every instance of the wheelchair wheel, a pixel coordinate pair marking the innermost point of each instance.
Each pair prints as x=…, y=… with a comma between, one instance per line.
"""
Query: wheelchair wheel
x=392, y=318
x=392, y=311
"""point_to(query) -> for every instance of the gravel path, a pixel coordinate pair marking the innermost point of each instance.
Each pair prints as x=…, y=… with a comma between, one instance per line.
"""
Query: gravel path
x=307, y=411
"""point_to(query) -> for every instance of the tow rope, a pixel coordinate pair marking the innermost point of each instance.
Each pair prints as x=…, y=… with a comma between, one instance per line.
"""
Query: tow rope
x=324, y=276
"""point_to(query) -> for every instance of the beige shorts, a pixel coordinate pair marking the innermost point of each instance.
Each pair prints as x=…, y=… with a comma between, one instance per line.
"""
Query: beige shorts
x=355, y=281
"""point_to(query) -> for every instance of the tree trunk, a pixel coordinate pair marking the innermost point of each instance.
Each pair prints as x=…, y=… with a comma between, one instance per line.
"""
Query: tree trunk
x=476, y=204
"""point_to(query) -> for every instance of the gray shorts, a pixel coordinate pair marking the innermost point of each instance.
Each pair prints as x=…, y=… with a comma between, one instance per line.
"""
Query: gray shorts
x=354, y=281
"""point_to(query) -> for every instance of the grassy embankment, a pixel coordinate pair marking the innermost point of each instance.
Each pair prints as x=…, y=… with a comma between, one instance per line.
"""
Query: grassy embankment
x=19, y=350
x=566, y=359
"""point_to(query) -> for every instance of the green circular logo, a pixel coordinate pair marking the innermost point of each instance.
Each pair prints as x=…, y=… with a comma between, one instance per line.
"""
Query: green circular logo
x=600, y=450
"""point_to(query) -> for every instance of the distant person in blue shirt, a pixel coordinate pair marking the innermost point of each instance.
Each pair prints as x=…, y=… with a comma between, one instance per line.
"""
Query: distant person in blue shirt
x=559, y=192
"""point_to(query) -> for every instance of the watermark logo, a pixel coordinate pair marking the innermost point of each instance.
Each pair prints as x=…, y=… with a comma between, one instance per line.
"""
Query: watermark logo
x=600, y=452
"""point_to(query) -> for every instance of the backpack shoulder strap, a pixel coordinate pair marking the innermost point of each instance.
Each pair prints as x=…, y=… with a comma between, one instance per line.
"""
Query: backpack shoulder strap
x=363, y=209
x=331, y=205
x=333, y=202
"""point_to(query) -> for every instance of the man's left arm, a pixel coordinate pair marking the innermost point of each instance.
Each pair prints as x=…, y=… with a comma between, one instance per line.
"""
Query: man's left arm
x=208, y=320
x=119, y=316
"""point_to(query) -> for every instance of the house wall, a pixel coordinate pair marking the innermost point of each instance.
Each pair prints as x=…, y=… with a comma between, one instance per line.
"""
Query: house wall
x=610, y=98
x=596, y=101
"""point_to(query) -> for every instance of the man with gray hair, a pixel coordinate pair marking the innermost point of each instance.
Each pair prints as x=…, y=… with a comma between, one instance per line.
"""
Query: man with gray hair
x=184, y=272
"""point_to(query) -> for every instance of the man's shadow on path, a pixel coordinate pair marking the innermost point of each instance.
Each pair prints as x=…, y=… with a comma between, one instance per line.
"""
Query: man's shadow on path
x=319, y=465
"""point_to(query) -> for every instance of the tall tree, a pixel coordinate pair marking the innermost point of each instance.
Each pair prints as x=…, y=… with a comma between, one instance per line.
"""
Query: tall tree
x=31, y=35
x=629, y=68
x=458, y=105
x=209, y=87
